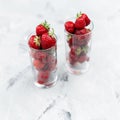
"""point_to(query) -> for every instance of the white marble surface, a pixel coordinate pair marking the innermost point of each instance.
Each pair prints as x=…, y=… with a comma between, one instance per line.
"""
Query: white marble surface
x=94, y=95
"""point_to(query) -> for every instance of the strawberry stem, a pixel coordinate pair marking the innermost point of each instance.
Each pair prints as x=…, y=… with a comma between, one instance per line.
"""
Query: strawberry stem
x=78, y=51
x=51, y=33
x=85, y=49
x=68, y=37
x=37, y=41
x=46, y=25
x=78, y=14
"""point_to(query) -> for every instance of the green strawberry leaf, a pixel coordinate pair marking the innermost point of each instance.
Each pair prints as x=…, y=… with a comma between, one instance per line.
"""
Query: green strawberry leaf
x=78, y=51
x=69, y=37
x=85, y=49
x=37, y=41
x=46, y=25
x=78, y=14
x=51, y=32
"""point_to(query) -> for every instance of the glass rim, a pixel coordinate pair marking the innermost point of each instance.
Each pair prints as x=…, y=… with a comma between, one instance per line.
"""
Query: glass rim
x=91, y=23
x=43, y=50
x=33, y=33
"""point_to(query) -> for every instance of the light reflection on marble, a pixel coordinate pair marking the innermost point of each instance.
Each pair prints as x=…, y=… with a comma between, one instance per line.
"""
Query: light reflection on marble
x=94, y=95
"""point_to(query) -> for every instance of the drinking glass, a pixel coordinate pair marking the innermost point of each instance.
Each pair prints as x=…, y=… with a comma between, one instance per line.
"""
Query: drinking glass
x=44, y=65
x=77, y=50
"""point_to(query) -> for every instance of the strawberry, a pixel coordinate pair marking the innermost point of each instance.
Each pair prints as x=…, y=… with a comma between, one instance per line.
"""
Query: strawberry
x=82, y=31
x=73, y=55
x=42, y=28
x=69, y=40
x=72, y=58
x=34, y=42
x=82, y=58
x=51, y=59
x=42, y=56
x=69, y=26
x=80, y=23
x=52, y=62
x=48, y=40
x=87, y=20
x=84, y=17
x=41, y=81
x=85, y=50
x=43, y=77
x=77, y=41
x=52, y=66
x=83, y=36
x=38, y=64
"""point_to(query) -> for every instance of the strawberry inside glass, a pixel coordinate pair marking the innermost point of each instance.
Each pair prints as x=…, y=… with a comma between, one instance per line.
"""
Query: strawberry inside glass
x=78, y=42
x=43, y=52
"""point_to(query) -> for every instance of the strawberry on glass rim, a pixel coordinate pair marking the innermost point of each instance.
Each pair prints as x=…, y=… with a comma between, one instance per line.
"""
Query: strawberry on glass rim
x=42, y=28
x=70, y=26
x=48, y=40
x=85, y=20
x=34, y=42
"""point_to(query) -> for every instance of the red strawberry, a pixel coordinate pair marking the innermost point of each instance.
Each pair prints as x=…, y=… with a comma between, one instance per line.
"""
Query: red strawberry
x=77, y=41
x=48, y=40
x=70, y=42
x=52, y=66
x=38, y=64
x=87, y=20
x=80, y=23
x=73, y=57
x=82, y=58
x=52, y=62
x=51, y=59
x=42, y=56
x=34, y=42
x=41, y=81
x=82, y=31
x=42, y=28
x=83, y=36
x=73, y=50
x=76, y=50
x=43, y=77
x=69, y=26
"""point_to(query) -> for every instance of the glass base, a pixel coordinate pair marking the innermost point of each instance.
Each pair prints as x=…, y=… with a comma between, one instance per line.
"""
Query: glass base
x=48, y=84
x=78, y=68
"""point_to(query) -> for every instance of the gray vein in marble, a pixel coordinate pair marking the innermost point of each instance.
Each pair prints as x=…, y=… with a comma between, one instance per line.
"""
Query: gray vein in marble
x=117, y=95
x=65, y=114
x=39, y=15
x=47, y=108
x=64, y=77
x=13, y=80
x=49, y=7
x=68, y=114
